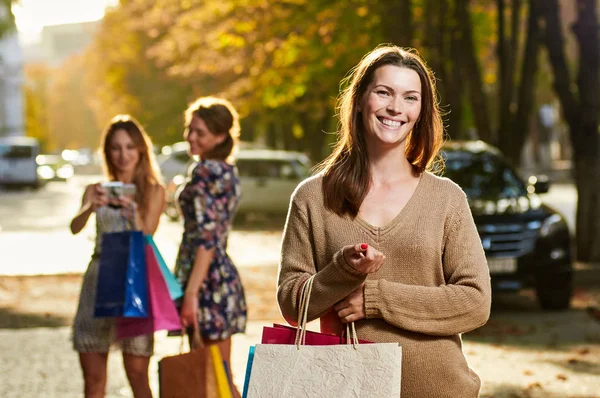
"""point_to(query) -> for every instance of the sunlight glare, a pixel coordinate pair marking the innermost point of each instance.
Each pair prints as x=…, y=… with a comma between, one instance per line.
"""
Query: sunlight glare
x=32, y=15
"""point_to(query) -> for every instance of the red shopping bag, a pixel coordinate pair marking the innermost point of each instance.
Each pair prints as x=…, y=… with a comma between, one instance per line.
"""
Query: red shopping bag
x=282, y=334
x=163, y=313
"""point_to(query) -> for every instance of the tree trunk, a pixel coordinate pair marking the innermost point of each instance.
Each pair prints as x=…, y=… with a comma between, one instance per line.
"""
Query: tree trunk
x=503, y=89
x=511, y=141
x=507, y=57
x=581, y=114
x=472, y=74
x=587, y=227
x=397, y=30
x=436, y=43
x=313, y=141
x=456, y=93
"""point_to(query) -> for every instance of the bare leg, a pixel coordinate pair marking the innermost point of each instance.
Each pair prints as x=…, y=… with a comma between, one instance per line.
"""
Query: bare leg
x=93, y=365
x=225, y=348
x=136, y=368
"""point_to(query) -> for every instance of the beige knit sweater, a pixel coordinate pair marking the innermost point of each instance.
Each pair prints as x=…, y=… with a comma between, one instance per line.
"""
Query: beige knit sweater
x=433, y=285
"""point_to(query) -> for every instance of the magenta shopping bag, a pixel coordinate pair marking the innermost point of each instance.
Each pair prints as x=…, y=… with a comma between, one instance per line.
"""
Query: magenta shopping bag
x=282, y=334
x=163, y=314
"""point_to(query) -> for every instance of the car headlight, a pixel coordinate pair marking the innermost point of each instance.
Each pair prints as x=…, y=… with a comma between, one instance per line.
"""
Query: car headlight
x=45, y=172
x=65, y=171
x=552, y=224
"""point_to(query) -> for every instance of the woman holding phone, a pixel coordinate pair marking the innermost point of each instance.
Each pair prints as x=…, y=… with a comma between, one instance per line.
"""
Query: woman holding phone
x=132, y=199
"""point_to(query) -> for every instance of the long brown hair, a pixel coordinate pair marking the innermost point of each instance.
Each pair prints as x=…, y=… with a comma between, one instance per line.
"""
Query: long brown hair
x=347, y=173
x=221, y=118
x=146, y=172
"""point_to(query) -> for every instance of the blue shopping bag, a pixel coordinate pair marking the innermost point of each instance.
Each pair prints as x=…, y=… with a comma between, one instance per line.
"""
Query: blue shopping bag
x=248, y=371
x=122, y=287
x=175, y=290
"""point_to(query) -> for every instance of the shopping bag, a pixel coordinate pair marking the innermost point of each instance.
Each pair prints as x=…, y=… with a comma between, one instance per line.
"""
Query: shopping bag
x=199, y=373
x=319, y=371
x=175, y=289
x=283, y=334
x=248, y=369
x=122, y=290
x=221, y=377
x=163, y=314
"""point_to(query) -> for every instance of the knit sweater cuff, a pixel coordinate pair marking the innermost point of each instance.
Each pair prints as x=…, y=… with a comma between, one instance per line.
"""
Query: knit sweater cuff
x=372, y=295
x=341, y=263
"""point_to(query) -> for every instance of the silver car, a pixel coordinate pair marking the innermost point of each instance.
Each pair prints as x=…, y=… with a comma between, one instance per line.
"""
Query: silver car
x=268, y=178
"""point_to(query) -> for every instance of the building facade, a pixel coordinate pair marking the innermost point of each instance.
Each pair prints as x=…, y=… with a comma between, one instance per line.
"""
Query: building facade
x=11, y=81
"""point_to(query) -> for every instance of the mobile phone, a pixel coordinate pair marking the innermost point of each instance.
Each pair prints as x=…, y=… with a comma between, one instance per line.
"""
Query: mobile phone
x=117, y=189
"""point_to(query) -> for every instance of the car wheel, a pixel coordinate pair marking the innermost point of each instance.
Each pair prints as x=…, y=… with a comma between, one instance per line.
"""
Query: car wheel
x=554, y=292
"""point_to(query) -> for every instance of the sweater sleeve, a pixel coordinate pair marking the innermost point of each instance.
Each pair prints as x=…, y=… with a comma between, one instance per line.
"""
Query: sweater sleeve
x=334, y=281
x=458, y=306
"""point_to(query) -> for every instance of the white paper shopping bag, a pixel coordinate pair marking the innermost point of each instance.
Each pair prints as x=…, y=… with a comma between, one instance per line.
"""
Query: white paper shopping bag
x=347, y=370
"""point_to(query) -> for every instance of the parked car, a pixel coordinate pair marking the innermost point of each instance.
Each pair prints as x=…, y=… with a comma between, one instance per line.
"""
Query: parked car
x=527, y=243
x=53, y=168
x=17, y=161
x=268, y=178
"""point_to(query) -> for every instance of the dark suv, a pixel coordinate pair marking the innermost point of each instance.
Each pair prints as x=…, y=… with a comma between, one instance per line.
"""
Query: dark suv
x=527, y=243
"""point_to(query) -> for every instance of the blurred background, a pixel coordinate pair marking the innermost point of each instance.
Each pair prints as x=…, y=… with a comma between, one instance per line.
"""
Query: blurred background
x=519, y=83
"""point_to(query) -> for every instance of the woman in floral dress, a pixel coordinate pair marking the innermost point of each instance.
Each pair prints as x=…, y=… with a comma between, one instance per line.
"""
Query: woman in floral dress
x=214, y=299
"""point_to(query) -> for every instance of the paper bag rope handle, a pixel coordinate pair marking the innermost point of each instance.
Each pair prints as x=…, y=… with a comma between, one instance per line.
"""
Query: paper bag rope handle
x=305, y=293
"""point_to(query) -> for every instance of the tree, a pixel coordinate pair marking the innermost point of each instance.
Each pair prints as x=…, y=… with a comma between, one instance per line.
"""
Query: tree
x=36, y=105
x=7, y=18
x=70, y=119
x=122, y=78
x=283, y=67
x=516, y=91
x=580, y=101
x=466, y=54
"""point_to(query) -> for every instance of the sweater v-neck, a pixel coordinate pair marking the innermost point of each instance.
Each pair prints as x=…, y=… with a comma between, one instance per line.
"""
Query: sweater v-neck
x=402, y=214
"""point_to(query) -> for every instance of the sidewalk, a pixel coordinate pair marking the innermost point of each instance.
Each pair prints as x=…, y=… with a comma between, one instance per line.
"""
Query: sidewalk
x=539, y=354
x=40, y=362
x=37, y=358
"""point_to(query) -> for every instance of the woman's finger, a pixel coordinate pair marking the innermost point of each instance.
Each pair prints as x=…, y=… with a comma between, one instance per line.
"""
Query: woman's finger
x=344, y=313
x=349, y=318
x=341, y=304
x=361, y=247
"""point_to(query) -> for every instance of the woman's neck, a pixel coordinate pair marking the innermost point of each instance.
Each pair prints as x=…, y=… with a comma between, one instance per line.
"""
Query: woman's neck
x=126, y=178
x=389, y=164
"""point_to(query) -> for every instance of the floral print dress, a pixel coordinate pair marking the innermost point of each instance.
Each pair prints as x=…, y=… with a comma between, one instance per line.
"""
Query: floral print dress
x=208, y=202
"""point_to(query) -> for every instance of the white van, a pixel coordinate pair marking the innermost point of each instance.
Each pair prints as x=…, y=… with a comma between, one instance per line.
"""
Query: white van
x=18, y=166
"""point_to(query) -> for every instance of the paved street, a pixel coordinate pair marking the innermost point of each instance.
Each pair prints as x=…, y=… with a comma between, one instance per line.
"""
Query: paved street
x=521, y=352
x=35, y=237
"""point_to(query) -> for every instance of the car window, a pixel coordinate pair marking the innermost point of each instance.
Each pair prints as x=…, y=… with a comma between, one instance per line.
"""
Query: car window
x=16, y=151
x=266, y=168
x=182, y=157
x=302, y=168
x=483, y=175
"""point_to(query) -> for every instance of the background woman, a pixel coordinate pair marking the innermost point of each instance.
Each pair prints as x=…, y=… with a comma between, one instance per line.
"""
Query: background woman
x=214, y=300
x=128, y=158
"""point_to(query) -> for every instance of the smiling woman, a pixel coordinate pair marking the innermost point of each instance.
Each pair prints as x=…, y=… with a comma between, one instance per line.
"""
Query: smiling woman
x=392, y=247
x=392, y=106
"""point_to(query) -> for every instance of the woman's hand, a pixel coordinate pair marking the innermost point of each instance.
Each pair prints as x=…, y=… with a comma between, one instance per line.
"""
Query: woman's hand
x=98, y=197
x=128, y=208
x=363, y=258
x=189, y=311
x=352, y=308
